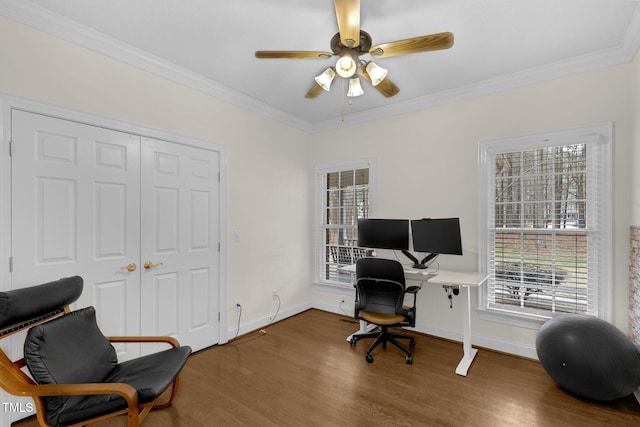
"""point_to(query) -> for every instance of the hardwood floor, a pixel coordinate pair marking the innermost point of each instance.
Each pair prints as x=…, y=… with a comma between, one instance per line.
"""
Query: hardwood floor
x=302, y=372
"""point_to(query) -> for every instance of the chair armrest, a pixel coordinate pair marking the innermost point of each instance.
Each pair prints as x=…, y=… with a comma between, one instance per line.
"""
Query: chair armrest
x=412, y=290
x=125, y=390
x=13, y=383
x=20, y=387
x=145, y=339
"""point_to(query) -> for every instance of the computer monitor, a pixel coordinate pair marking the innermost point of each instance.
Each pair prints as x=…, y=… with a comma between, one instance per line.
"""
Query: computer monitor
x=436, y=236
x=379, y=233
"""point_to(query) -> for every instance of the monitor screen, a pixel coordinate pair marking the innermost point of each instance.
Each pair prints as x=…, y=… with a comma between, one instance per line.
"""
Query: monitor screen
x=437, y=236
x=383, y=233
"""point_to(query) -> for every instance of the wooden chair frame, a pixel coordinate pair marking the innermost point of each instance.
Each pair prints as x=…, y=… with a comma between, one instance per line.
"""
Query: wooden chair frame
x=16, y=382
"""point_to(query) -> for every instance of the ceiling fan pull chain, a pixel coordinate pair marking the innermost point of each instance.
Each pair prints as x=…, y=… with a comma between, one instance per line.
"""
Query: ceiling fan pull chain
x=342, y=91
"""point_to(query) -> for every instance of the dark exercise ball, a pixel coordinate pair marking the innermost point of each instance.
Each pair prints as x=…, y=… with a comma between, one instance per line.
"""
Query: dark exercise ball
x=588, y=357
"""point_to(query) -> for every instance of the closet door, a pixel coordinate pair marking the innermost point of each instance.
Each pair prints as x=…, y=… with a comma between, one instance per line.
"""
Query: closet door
x=180, y=249
x=76, y=211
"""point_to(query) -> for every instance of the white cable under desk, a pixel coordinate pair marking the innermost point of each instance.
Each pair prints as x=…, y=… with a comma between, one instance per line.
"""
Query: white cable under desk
x=465, y=281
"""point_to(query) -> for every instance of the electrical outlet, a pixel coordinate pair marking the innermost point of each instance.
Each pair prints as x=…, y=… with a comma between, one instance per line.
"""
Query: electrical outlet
x=274, y=294
x=237, y=305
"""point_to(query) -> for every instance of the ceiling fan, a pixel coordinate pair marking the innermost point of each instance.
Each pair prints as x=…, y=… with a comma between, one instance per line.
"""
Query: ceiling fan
x=350, y=43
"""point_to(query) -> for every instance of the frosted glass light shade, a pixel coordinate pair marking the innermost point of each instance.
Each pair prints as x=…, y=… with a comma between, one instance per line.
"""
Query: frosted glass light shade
x=346, y=66
x=354, y=87
x=376, y=73
x=325, y=79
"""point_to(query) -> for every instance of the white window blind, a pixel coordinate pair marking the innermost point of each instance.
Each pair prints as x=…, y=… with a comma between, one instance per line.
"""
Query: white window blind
x=546, y=225
x=343, y=197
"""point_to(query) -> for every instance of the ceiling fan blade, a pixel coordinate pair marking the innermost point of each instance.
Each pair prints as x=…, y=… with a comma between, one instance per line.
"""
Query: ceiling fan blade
x=386, y=87
x=314, y=92
x=437, y=41
x=348, y=15
x=267, y=54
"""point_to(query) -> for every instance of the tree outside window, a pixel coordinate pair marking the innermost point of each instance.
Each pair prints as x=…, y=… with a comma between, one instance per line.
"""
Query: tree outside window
x=546, y=224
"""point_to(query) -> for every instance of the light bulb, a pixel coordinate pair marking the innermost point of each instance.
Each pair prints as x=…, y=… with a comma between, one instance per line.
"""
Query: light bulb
x=346, y=66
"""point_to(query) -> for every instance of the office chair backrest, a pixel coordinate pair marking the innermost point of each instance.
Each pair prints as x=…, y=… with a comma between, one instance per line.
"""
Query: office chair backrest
x=380, y=286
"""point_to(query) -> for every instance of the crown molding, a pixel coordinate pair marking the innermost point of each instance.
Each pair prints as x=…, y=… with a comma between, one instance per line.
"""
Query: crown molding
x=41, y=19
x=556, y=70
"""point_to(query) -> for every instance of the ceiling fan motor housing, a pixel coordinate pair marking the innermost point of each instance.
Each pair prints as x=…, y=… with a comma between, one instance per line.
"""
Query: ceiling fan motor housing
x=365, y=44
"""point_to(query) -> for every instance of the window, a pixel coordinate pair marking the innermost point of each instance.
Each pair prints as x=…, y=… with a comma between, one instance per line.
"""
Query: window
x=547, y=213
x=343, y=196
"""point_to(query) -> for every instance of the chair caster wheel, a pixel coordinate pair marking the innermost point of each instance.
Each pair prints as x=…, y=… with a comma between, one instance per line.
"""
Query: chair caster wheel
x=409, y=360
x=369, y=358
x=352, y=341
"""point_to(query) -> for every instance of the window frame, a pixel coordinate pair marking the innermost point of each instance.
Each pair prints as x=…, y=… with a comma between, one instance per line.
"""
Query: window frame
x=320, y=208
x=598, y=136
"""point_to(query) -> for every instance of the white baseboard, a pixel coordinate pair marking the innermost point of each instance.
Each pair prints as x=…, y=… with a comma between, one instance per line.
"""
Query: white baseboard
x=637, y=394
x=263, y=322
x=503, y=346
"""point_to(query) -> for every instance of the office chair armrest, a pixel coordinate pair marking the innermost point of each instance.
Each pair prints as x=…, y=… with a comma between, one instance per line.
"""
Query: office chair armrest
x=413, y=290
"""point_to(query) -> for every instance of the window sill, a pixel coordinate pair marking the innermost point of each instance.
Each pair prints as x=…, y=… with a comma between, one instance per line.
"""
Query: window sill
x=511, y=318
x=334, y=287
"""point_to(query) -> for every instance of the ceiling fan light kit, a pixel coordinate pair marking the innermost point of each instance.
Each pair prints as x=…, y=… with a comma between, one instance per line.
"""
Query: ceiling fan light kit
x=346, y=66
x=376, y=72
x=355, y=89
x=350, y=43
x=325, y=79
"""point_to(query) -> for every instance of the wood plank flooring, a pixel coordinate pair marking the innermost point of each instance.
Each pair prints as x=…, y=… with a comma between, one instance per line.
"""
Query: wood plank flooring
x=302, y=372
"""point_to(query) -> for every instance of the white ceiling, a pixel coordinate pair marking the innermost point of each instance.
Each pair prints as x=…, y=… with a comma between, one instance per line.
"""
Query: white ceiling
x=210, y=45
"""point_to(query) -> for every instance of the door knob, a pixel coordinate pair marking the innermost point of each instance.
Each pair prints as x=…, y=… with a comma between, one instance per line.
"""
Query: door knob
x=129, y=267
x=149, y=265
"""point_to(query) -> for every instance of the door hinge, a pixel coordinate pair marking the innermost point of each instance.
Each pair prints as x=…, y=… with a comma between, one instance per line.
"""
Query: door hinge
x=218, y=316
x=10, y=264
x=219, y=246
x=10, y=148
x=219, y=177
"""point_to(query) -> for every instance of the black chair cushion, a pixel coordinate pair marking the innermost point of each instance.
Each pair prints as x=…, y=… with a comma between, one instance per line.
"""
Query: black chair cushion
x=68, y=350
x=21, y=305
x=149, y=375
x=71, y=349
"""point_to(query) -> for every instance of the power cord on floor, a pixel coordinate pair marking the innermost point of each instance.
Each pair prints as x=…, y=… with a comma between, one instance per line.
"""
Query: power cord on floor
x=342, y=309
x=264, y=330
x=239, y=316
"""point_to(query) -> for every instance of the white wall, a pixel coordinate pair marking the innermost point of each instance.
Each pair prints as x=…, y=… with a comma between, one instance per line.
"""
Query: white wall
x=634, y=300
x=427, y=166
x=635, y=177
x=268, y=163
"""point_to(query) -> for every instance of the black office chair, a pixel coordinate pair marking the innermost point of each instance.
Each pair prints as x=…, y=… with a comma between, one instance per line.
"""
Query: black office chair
x=380, y=293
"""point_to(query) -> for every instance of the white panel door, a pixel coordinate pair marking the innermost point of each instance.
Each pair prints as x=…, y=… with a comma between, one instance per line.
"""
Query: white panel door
x=180, y=235
x=75, y=211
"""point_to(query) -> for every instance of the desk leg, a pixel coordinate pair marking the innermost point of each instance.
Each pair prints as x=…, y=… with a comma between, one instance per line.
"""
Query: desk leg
x=469, y=352
x=364, y=328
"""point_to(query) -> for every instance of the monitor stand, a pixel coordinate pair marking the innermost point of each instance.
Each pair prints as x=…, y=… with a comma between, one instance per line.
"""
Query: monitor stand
x=417, y=263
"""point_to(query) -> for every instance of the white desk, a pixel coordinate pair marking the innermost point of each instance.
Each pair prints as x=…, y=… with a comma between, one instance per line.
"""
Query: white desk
x=464, y=280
